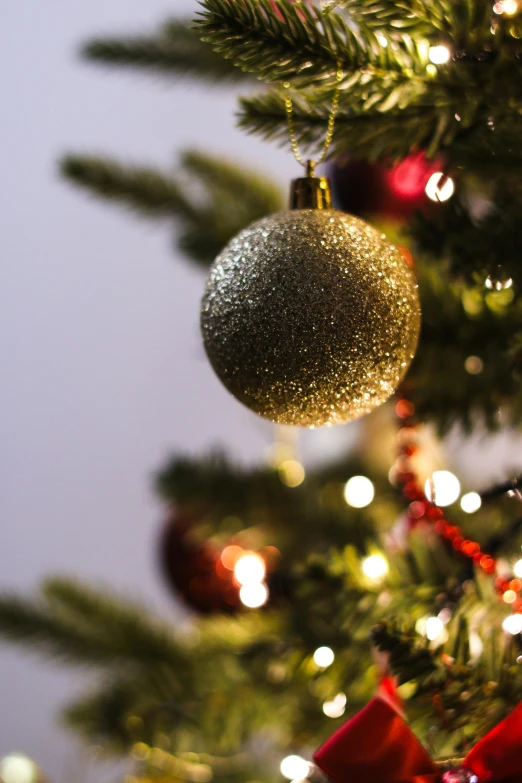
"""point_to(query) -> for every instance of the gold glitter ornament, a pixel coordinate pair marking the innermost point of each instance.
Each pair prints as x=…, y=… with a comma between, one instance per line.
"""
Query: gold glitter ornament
x=310, y=317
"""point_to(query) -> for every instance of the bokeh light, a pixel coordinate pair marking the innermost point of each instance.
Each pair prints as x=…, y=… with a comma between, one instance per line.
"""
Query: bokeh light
x=335, y=708
x=434, y=628
x=375, y=567
x=509, y=7
x=17, y=768
x=294, y=768
x=324, y=657
x=470, y=502
x=230, y=555
x=513, y=624
x=442, y=488
x=253, y=595
x=474, y=365
x=498, y=283
x=359, y=492
x=291, y=473
x=517, y=569
x=249, y=568
x=439, y=54
x=439, y=187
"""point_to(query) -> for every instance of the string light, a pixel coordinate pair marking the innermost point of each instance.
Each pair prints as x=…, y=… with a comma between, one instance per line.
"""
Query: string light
x=295, y=768
x=474, y=365
x=442, y=488
x=324, y=657
x=439, y=187
x=230, y=555
x=335, y=708
x=17, y=768
x=253, y=595
x=375, y=567
x=509, y=7
x=359, y=492
x=439, y=54
x=249, y=568
x=470, y=502
x=434, y=628
x=495, y=283
x=291, y=473
x=513, y=624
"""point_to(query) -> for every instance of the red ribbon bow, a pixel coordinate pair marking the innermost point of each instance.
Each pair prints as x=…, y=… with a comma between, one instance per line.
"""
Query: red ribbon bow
x=377, y=746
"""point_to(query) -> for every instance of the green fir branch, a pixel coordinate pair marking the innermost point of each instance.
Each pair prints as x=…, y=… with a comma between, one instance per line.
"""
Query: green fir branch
x=299, y=44
x=175, y=49
x=86, y=626
x=141, y=188
x=209, y=199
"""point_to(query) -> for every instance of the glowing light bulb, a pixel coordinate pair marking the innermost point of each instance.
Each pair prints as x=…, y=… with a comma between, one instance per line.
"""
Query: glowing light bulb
x=335, y=708
x=291, y=473
x=517, y=569
x=434, y=628
x=474, y=365
x=17, y=768
x=294, y=768
x=249, y=569
x=359, y=492
x=509, y=7
x=476, y=645
x=470, y=502
x=324, y=657
x=253, y=595
x=375, y=567
x=439, y=54
x=498, y=283
x=230, y=555
x=513, y=624
x=446, y=486
x=439, y=187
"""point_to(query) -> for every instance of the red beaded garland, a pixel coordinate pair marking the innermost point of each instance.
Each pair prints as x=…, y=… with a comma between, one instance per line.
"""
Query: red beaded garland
x=421, y=508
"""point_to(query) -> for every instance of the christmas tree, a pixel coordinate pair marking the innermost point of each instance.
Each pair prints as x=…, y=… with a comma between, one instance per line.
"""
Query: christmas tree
x=312, y=592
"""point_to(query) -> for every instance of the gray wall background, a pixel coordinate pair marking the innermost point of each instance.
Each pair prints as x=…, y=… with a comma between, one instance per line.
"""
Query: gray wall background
x=103, y=374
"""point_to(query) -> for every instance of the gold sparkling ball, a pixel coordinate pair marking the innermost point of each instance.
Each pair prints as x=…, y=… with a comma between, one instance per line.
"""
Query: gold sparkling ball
x=310, y=317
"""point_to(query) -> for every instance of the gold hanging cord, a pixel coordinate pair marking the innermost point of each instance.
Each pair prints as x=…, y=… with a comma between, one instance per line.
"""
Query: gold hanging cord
x=311, y=192
x=289, y=106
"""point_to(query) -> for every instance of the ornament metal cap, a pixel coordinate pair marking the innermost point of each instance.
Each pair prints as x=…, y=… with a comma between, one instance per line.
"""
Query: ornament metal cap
x=310, y=192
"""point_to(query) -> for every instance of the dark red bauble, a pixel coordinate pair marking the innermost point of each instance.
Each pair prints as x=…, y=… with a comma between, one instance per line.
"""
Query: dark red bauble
x=191, y=569
x=378, y=190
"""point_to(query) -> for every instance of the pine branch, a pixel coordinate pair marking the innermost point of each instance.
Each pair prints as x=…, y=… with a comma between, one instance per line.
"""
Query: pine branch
x=210, y=199
x=85, y=626
x=30, y=625
x=386, y=16
x=299, y=44
x=141, y=188
x=370, y=133
x=409, y=659
x=175, y=49
x=104, y=716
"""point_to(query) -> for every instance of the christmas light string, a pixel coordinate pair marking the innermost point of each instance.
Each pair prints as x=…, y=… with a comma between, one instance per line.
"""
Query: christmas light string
x=422, y=508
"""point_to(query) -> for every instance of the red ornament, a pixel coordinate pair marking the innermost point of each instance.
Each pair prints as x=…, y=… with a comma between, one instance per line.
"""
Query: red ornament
x=192, y=569
x=378, y=190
